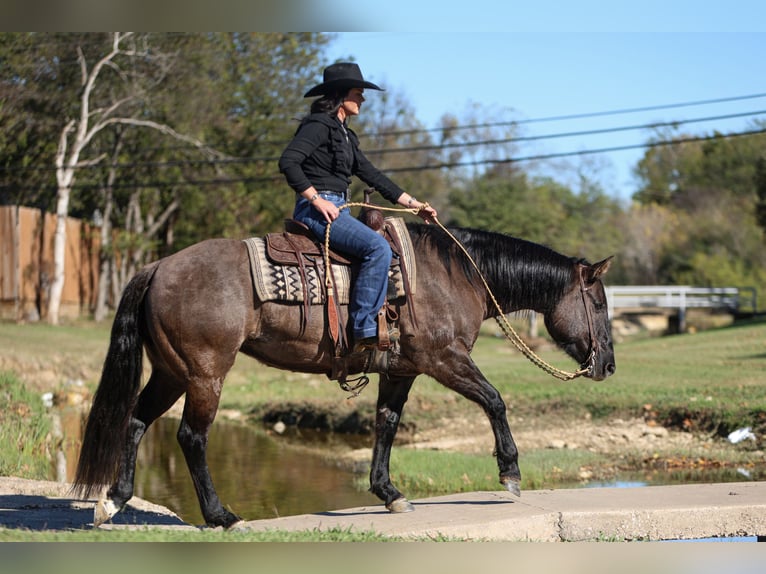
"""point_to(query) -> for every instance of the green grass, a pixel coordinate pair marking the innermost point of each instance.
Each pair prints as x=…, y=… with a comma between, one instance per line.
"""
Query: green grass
x=708, y=381
x=204, y=535
x=425, y=473
x=25, y=441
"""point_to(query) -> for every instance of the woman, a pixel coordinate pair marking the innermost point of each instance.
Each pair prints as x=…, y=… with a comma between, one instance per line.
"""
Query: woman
x=318, y=164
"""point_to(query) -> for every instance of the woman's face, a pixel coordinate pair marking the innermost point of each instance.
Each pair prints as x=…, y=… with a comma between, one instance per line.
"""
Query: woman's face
x=353, y=102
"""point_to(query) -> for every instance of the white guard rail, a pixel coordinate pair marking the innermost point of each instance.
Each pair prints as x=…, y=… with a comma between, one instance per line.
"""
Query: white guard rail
x=679, y=297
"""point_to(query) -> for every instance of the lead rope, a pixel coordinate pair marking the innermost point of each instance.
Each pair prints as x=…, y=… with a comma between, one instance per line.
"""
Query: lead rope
x=508, y=330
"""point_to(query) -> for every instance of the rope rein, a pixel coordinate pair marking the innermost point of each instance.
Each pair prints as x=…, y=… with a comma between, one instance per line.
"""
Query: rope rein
x=508, y=330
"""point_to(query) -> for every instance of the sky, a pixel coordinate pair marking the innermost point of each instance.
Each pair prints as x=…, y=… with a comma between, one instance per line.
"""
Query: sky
x=531, y=75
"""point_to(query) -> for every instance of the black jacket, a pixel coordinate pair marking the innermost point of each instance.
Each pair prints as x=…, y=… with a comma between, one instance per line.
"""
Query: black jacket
x=325, y=155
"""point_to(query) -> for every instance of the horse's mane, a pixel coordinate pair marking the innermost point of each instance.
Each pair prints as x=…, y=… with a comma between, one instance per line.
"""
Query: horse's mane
x=518, y=271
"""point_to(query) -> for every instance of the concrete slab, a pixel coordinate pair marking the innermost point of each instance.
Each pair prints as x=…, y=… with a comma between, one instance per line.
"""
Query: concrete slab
x=640, y=513
x=45, y=505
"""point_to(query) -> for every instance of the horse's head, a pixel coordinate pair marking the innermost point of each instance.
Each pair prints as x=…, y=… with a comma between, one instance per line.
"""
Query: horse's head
x=579, y=322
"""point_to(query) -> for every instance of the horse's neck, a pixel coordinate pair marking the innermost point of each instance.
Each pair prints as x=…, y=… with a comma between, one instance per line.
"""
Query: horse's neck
x=527, y=285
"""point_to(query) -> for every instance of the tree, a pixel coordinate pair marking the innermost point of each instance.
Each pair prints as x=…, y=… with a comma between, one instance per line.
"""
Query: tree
x=712, y=194
x=139, y=68
x=582, y=224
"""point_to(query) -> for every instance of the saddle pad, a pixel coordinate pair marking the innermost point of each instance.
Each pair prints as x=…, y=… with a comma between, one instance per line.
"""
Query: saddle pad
x=274, y=282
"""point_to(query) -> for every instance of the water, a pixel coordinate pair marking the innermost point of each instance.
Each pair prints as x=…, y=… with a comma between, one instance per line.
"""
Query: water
x=256, y=476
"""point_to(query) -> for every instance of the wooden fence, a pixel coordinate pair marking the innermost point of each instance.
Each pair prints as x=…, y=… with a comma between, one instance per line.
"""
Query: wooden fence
x=26, y=264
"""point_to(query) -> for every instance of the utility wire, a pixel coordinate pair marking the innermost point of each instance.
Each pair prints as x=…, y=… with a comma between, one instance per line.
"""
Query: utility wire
x=410, y=149
x=554, y=155
x=654, y=125
x=578, y=116
x=277, y=178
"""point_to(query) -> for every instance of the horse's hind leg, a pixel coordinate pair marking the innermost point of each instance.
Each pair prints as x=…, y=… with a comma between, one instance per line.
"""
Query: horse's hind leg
x=392, y=395
x=158, y=396
x=199, y=412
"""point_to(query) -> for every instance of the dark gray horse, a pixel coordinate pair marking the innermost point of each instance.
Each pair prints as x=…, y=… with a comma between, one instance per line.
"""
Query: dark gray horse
x=195, y=310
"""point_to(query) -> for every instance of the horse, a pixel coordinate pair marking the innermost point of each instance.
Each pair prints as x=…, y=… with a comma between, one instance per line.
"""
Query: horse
x=195, y=310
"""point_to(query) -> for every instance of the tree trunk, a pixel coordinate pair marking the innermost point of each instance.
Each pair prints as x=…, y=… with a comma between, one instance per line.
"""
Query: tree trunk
x=64, y=178
x=106, y=253
x=106, y=256
x=59, y=256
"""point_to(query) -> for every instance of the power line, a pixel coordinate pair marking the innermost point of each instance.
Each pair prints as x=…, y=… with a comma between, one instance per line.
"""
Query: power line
x=275, y=178
x=689, y=139
x=430, y=147
x=653, y=125
x=577, y=116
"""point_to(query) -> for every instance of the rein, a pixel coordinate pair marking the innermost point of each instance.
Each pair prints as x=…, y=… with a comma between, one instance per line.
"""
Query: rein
x=508, y=330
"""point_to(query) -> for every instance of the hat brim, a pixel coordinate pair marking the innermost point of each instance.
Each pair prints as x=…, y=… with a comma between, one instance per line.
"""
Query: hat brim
x=338, y=85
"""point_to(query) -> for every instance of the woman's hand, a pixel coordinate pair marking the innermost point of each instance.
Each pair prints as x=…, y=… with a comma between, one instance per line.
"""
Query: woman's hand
x=427, y=213
x=424, y=211
x=327, y=208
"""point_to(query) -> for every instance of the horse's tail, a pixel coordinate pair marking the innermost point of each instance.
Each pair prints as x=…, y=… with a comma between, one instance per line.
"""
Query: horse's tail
x=107, y=427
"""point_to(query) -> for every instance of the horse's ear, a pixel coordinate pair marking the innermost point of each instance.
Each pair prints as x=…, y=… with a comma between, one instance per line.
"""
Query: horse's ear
x=598, y=269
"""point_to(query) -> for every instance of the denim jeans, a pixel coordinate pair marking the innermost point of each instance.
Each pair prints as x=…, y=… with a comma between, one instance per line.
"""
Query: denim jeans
x=350, y=236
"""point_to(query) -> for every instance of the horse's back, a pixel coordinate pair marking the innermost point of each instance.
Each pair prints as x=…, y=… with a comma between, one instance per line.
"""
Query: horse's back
x=202, y=291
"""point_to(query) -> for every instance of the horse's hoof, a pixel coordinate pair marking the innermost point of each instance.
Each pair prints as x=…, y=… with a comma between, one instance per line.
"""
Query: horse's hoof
x=238, y=526
x=105, y=509
x=512, y=486
x=400, y=505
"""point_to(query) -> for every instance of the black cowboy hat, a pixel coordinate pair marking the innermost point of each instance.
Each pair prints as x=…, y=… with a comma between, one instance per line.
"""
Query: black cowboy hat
x=339, y=77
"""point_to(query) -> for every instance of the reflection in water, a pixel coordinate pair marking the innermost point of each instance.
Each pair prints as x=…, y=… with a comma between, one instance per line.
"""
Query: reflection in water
x=256, y=476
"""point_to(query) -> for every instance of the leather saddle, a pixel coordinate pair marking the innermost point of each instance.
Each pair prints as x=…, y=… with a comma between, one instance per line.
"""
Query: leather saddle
x=298, y=245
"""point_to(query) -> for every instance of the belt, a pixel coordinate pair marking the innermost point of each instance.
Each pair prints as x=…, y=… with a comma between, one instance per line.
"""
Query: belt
x=343, y=194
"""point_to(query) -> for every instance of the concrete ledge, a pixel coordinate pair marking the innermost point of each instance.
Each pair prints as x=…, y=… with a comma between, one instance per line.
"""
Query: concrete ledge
x=642, y=513
x=586, y=514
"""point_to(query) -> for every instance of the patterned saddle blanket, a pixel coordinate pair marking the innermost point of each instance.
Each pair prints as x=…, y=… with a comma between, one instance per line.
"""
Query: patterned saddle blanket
x=279, y=282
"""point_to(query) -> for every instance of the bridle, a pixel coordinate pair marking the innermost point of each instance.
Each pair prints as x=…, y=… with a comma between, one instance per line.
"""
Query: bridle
x=590, y=363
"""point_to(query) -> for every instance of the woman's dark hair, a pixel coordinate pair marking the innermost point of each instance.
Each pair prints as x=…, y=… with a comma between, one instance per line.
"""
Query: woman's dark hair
x=329, y=103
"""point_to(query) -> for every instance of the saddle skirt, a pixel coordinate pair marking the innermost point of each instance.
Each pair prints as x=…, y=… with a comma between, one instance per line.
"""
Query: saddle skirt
x=278, y=276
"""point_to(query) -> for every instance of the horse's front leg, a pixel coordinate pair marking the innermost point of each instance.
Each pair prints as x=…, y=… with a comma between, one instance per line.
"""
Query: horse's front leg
x=458, y=372
x=392, y=395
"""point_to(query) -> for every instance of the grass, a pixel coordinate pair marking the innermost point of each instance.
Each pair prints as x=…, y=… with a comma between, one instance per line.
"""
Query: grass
x=708, y=381
x=25, y=441
x=201, y=535
x=428, y=473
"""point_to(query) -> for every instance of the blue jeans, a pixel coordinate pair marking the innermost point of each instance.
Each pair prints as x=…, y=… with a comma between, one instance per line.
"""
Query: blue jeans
x=350, y=236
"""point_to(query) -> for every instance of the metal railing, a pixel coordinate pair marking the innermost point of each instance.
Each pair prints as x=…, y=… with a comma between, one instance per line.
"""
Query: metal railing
x=680, y=297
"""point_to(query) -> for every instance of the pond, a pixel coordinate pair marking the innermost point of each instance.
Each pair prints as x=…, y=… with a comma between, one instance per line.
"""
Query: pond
x=256, y=476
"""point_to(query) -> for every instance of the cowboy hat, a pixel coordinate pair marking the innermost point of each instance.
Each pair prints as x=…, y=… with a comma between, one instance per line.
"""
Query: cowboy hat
x=339, y=77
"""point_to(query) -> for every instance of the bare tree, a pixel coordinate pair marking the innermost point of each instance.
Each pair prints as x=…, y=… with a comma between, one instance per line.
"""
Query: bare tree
x=79, y=132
